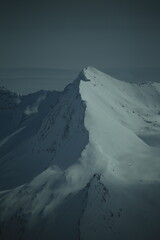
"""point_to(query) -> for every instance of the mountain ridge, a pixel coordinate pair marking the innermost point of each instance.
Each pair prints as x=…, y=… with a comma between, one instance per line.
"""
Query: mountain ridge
x=93, y=165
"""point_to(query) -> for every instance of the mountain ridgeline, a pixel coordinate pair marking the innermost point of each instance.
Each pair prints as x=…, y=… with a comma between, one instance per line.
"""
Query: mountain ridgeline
x=83, y=163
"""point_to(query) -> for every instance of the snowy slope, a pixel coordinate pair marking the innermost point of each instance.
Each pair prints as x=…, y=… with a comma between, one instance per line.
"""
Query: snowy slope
x=91, y=170
x=18, y=126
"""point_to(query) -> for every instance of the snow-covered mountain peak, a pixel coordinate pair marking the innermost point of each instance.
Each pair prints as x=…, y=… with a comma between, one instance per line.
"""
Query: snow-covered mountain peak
x=88, y=73
x=85, y=165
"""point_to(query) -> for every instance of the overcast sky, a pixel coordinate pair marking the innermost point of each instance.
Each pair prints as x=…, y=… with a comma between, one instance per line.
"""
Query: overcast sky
x=73, y=34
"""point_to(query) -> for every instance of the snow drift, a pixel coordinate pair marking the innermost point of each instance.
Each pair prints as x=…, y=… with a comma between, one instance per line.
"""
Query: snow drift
x=87, y=167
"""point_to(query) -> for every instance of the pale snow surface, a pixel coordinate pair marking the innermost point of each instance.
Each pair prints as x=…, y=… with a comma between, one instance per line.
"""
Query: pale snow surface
x=87, y=167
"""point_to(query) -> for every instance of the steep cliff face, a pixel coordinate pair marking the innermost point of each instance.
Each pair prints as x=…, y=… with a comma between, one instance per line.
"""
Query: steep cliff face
x=91, y=168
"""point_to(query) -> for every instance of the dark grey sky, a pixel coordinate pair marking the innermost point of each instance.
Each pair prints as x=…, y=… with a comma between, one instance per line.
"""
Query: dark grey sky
x=72, y=34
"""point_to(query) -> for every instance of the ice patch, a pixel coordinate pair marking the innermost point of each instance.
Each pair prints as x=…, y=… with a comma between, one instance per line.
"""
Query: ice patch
x=33, y=108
